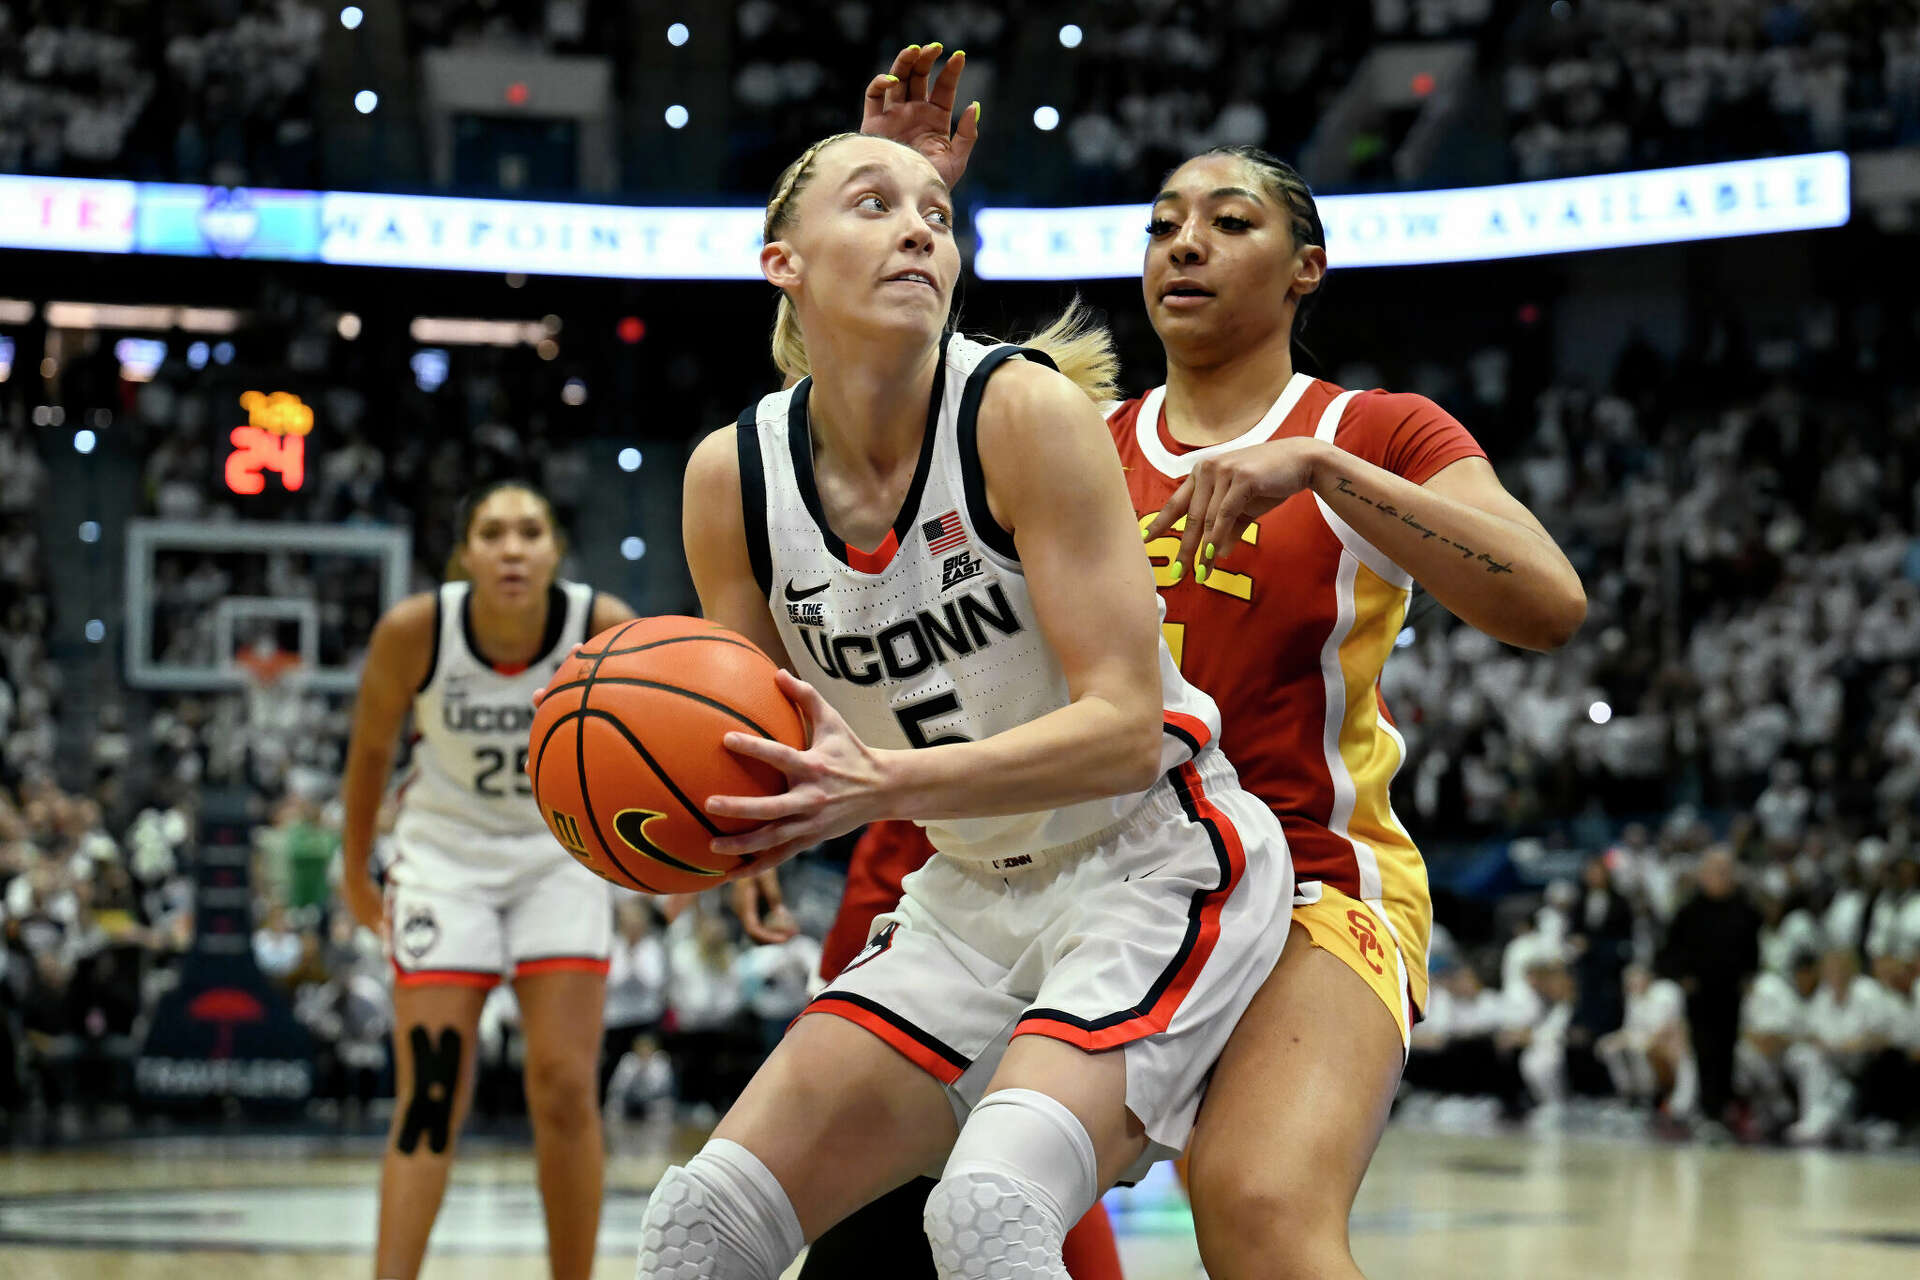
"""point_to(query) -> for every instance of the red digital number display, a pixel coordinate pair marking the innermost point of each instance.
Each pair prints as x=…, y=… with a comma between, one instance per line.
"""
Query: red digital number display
x=257, y=451
x=274, y=439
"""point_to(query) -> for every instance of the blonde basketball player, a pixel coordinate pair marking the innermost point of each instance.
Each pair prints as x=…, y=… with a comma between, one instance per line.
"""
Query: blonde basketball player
x=935, y=531
x=1287, y=521
x=479, y=888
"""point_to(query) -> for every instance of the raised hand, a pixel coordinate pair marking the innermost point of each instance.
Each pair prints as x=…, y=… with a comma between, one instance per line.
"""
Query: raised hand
x=909, y=104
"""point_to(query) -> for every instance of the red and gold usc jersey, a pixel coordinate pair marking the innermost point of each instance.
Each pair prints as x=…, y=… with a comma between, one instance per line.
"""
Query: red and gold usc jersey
x=1289, y=634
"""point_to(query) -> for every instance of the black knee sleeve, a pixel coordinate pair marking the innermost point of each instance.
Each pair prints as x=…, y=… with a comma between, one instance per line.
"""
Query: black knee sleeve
x=436, y=1080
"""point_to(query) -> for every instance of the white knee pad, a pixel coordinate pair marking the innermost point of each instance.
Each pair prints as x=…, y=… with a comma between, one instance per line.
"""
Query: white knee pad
x=1022, y=1172
x=721, y=1216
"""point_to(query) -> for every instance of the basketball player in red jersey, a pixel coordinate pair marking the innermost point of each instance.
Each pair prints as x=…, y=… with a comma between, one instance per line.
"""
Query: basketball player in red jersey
x=1287, y=520
x=479, y=885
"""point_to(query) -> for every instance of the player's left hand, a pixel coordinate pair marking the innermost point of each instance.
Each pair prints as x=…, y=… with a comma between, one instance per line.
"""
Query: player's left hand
x=1225, y=493
x=832, y=787
x=908, y=104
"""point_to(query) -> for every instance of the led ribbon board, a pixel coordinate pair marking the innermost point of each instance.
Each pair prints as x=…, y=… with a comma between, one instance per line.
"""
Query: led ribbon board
x=1470, y=224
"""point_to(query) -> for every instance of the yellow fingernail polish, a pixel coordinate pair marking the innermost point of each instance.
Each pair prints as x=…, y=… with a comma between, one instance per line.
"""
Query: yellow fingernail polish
x=1208, y=553
x=894, y=79
x=1178, y=570
x=976, y=113
x=913, y=48
x=1200, y=572
x=959, y=53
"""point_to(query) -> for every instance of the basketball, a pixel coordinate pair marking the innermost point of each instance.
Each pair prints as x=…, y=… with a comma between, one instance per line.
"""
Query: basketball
x=626, y=748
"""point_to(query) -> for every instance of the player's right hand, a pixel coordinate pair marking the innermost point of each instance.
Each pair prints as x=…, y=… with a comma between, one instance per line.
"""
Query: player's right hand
x=908, y=104
x=363, y=901
x=762, y=909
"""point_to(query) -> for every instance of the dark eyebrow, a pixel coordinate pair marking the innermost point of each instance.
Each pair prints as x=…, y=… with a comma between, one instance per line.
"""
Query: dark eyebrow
x=874, y=169
x=1218, y=193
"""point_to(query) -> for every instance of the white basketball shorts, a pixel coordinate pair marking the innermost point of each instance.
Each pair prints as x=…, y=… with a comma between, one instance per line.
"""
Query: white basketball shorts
x=1152, y=938
x=557, y=916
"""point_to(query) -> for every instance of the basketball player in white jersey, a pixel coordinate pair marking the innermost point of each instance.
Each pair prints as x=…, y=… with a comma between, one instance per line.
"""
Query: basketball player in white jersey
x=936, y=533
x=479, y=887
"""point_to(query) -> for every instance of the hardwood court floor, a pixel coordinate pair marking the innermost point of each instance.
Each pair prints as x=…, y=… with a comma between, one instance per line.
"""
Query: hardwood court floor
x=1436, y=1206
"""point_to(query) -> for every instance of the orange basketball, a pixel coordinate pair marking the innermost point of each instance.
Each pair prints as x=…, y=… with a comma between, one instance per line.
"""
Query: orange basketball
x=626, y=749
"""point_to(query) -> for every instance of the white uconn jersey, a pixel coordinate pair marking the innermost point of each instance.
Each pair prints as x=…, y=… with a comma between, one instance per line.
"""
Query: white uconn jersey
x=469, y=789
x=932, y=638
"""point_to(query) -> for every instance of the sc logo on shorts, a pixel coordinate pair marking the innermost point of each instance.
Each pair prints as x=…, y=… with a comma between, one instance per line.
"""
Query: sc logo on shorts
x=419, y=932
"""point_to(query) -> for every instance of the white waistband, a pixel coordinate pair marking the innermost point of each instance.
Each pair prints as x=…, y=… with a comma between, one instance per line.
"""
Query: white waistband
x=1158, y=804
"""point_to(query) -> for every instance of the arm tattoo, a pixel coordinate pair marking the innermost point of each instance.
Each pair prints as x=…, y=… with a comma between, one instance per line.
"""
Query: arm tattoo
x=1411, y=521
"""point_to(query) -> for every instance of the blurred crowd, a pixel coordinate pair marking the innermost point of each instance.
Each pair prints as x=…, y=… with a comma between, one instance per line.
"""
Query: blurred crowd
x=1744, y=516
x=29, y=683
x=1694, y=986
x=1620, y=84
x=224, y=93
x=95, y=927
x=92, y=926
x=198, y=91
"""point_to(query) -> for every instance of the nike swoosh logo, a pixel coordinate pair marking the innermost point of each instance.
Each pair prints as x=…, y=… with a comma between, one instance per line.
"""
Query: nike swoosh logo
x=810, y=591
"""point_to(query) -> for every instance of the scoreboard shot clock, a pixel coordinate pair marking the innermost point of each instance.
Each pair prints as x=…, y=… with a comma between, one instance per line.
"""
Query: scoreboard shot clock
x=274, y=440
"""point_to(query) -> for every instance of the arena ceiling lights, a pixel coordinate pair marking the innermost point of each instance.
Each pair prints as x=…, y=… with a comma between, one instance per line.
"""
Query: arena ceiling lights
x=1472, y=224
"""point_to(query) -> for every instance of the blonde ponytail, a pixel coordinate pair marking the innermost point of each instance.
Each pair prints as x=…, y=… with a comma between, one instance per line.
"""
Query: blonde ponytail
x=1081, y=348
x=789, y=344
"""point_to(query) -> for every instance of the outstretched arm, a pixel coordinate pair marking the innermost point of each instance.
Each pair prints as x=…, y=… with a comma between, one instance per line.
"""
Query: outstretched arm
x=1462, y=536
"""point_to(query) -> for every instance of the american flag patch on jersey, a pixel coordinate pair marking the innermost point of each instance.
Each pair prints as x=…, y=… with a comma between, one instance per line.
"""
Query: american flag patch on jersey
x=944, y=534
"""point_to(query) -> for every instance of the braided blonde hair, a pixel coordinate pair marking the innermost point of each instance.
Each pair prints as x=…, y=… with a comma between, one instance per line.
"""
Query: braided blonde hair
x=1080, y=348
x=789, y=344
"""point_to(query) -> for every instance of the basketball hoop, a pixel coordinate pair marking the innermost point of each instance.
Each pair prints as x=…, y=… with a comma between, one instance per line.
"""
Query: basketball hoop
x=265, y=665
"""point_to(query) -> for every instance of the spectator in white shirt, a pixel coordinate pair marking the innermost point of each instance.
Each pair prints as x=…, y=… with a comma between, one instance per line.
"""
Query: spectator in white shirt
x=1782, y=808
x=1650, y=1056
x=636, y=984
x=703, y=987
x=776, y=979
x=1850, y=1019
x=1893, y=922
x=712, y=1050
x=1773, y=1019
x=1541, y=1037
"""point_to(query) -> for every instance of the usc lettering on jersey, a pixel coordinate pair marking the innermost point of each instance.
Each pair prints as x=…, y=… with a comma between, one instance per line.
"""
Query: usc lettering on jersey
x=1290, y=632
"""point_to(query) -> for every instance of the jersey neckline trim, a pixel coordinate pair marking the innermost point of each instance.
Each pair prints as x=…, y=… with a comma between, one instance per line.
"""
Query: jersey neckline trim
x=800, y=445
x=556, y=624
x=973, y=475
x=1176, y=460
